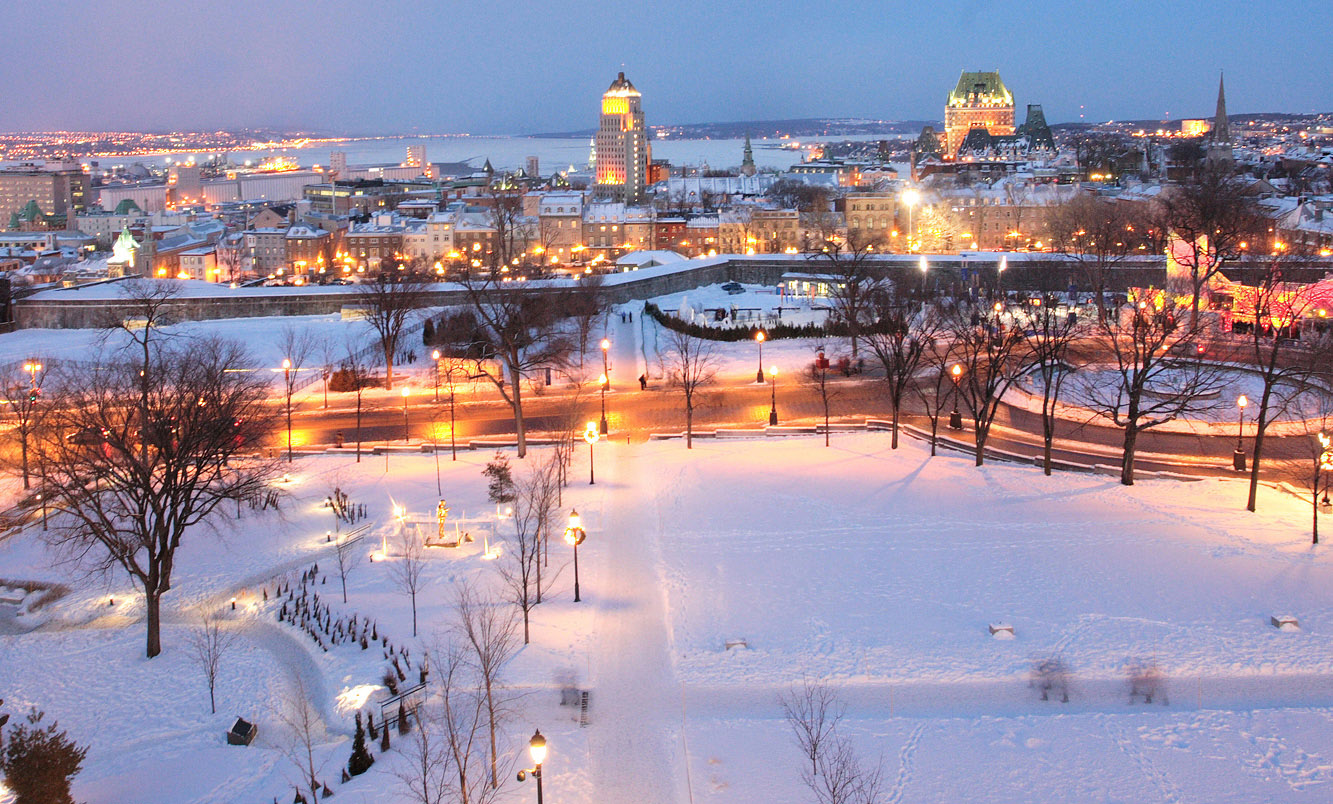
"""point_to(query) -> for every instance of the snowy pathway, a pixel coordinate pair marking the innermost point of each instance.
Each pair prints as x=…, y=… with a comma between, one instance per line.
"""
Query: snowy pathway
x=634, y=743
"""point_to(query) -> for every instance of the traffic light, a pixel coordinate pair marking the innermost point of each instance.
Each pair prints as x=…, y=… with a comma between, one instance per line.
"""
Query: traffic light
x=33, y=394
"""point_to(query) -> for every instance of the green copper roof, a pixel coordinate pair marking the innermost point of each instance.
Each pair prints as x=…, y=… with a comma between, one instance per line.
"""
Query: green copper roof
x=985, y=87
x=127, y=206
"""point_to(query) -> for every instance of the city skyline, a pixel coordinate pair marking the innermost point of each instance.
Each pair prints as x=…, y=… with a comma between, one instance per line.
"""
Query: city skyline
x=406, y=69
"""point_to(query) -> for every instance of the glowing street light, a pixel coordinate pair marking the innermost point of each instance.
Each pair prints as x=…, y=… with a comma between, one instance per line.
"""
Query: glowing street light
x=955, y=418
x=925, y=271
x=590, y=435
x=759, y=338
x=910, y=198
x=575, y=534
x=605, y=381
x=537, y=748
x=287, y=386
x=1238, y=457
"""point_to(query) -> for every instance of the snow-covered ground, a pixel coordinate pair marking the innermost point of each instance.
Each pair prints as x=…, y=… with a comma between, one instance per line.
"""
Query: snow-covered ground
x=877, y=571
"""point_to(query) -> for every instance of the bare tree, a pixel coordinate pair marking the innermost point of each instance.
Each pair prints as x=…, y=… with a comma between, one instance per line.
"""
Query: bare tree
x=297, y=346
x=389, y=308
x=853, y=283
x=934, y=396
x=836, y=774
x=488, y=629
x=124, y=495
x=521, y=330
x=209, y=644
x=150, y=303
x=689, y=364
x=813, y=710
x=449, y=762
x=347, y=557
x=816, y=378
x=406, y=571
x=355, y=372
x=991, y=356
x=842, y=777
x=1309, y=467
x=1274, y=309
x=1157, y=375
x=1213, y=214
x=426, y=775
x=306, y=731
x=328, y=350
x=901, y=337
x=520, y=565
x=21, y=388
x=1048, y=336
x=1097, y=233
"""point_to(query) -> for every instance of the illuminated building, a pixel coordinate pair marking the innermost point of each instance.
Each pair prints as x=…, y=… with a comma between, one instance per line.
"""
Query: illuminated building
x=1194, y=128
x=59, y=189
x=622, y=150
x=980, y=100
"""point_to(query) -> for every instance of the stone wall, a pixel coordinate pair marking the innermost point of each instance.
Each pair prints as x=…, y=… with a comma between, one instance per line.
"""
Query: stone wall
x=65, y=310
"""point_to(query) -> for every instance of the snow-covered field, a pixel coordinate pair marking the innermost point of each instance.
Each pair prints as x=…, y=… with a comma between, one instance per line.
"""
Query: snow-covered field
x=876, y=571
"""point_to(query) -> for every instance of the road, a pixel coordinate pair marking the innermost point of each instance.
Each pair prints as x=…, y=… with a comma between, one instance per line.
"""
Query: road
x=636, y=414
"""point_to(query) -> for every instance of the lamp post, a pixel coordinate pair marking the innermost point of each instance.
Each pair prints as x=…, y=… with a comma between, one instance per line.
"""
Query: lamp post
x=773, y=402
x=537, y=748
x=955, y=418
x=759, y=338
x=287, y=386
x=590, y=435
x=435, y=357
x=910, y=198
x=575, y=534
x=1238, y=457
x=605, y=381
x=405, y=433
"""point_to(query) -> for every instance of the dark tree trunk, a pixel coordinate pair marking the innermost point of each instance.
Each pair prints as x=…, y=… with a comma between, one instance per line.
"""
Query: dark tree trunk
x=1127, y=458
x=515, y=382
x=152, y=604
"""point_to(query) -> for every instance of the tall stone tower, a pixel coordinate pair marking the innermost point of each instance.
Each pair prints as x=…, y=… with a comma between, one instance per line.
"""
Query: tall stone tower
x=1219, y=138
x=622, y=150
x=980, y=100
x=747, y=159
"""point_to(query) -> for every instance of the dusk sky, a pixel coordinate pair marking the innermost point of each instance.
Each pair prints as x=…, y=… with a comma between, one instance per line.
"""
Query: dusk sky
x=509, y=67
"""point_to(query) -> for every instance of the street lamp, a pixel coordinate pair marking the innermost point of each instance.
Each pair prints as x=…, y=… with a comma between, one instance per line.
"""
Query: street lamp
x=759, y=338
x=537, y=748
x=575, y=534
x=999, y=276
x=287, y=386
x=1238, y=457
x=910, y=198
x=773, y=404
x=590, y=435
x=605, y=381
x=405, y=432
x=955, y=418
x=435, y=356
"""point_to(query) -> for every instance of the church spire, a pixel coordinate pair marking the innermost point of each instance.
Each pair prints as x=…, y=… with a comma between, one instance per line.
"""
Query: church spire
x=1221, y=128
x=747, y=160
x=1219, y=139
